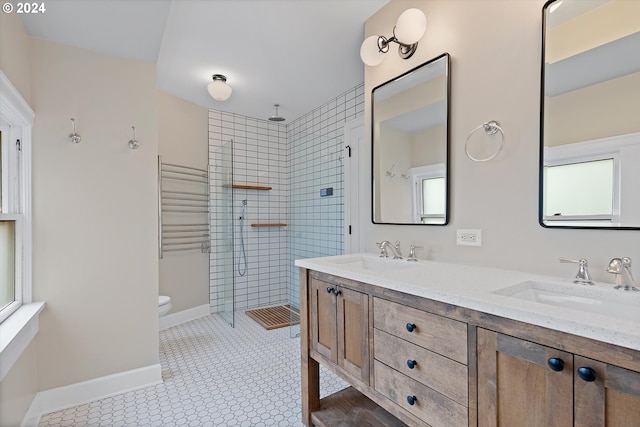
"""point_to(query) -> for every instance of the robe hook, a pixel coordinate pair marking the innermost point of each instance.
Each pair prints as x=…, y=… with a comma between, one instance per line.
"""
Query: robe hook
x=75, y=138
x=133, y=144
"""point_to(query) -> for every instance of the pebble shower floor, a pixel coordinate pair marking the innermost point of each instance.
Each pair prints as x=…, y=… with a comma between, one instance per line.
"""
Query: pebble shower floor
x=214, y=375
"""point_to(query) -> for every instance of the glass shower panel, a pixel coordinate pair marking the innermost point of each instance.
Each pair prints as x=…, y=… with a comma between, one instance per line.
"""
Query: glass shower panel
x=316, y=220
x=224, y=260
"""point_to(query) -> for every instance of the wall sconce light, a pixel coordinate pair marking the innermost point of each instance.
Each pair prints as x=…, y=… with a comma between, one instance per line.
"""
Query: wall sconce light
x=133, y=143
x=75, y=138
x=410, y=27
x=218, y=88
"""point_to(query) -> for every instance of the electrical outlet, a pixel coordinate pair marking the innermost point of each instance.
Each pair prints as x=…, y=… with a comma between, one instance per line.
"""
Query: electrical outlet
x=469, y=237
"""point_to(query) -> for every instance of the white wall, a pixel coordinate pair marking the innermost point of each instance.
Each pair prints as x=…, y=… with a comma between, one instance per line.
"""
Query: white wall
x=495, y=49
x=95, y=213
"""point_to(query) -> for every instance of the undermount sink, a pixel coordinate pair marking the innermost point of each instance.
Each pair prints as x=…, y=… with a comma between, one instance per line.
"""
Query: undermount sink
x=375, y=264
x=618, y=304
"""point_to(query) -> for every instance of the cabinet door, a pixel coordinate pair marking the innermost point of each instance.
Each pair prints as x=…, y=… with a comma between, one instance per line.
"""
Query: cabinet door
x=605, y=395
x=517, y=387
x=353, y=333
x=323, y=319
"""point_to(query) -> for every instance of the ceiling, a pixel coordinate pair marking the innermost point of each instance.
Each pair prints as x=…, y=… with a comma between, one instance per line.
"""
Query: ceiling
x=296, y=53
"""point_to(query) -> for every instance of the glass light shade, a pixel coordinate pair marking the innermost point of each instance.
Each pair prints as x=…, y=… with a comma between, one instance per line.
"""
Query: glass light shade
x=219, y=90
x=370, y=52
x=410, y=26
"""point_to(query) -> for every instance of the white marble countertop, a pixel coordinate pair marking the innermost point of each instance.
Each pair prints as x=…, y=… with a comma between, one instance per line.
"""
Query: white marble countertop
x=472, y=287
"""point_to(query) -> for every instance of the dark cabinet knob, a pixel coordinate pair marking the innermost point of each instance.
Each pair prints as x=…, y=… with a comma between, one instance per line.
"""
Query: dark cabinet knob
x=336, y=292
x=329, y=290
x=411, y=327
x=555, y=364
x=411, y=400
x=411, y=363
x=587, y=374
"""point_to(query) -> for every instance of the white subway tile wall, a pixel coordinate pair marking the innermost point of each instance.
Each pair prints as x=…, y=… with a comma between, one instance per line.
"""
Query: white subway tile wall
x=316, y=144
x=260, y=157
x=297, y=160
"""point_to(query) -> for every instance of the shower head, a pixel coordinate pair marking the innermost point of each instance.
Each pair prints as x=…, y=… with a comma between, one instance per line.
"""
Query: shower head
x=276, y=117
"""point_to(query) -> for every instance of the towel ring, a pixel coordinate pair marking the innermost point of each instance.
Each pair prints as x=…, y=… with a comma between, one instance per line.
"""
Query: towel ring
x=490, y=128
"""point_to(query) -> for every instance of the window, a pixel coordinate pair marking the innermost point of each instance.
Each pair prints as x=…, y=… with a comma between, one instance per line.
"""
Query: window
x=430, y=196
x=582, y=192
x=16, y=119
x=10, y=230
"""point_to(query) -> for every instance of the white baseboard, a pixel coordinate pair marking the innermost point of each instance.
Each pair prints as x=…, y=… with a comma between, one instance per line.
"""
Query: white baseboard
x=71, y=395
x=184, y=316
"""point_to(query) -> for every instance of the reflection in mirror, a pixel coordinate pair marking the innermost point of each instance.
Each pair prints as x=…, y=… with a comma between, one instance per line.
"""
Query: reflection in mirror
x=590, y=99
x=411, y=146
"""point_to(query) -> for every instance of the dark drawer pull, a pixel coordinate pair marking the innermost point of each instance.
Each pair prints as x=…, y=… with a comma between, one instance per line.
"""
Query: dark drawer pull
x=329, y=290
x=336, y=292
x=411, y=400
x=555, y=364
x=411, y=363
x=411, y=327
x=587, y=374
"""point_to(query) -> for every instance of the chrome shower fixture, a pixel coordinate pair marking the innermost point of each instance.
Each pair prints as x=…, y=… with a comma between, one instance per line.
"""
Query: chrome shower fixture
x=276, y=117
x=133, y=143
x=75, y=138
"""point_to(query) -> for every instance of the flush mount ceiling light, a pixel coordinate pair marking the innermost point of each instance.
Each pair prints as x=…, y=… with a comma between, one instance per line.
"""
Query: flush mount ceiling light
x=410, y=28
x=218, y=88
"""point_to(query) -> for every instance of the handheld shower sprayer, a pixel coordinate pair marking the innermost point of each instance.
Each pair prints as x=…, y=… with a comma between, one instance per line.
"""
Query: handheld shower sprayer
x=242, y=269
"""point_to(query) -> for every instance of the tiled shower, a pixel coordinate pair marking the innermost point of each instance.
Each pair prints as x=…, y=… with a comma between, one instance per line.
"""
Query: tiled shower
x=296, y=160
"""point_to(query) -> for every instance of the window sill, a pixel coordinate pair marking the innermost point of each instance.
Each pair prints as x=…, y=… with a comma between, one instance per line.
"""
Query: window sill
x=16, y=333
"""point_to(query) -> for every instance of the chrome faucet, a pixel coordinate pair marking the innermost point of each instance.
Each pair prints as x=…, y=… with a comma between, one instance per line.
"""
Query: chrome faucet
x=621, y=267
x=412, y=252
x=395, y=249
x=582, y=277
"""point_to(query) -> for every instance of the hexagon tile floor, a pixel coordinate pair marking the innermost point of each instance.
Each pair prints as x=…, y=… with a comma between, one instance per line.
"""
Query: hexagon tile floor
x=214, y=375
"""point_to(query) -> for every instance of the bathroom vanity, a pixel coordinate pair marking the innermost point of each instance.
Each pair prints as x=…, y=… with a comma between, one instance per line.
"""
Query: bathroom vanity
x=438, y=344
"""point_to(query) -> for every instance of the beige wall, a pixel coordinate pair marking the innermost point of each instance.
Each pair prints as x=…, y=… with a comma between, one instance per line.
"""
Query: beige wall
x=577, y=116
x=20, y=385
x=495, y=67
x=95, y=213
x=14, y=53
x=183, y=139
x=18, y=388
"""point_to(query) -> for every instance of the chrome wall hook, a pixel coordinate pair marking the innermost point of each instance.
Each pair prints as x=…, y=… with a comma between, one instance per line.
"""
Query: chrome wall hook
x=390, y=173
x=133, y=143
x=75, y=138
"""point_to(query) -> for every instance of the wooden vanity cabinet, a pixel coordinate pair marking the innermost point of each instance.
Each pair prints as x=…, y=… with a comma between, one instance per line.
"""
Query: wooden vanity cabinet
x=339, y=326
x=531, y=385
x=414, y=361
x=360, y=332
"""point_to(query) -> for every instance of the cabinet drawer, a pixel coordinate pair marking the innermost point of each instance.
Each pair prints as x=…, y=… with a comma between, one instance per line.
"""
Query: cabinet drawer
x=436, y=333
x=434, y=408
x=437, y=372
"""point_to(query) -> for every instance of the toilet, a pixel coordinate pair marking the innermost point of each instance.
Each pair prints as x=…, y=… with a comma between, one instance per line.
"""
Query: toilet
x=164, y=305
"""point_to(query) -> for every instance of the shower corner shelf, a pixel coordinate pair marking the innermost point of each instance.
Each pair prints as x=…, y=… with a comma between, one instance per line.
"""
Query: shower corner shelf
x=247, y=186
x=269, y=225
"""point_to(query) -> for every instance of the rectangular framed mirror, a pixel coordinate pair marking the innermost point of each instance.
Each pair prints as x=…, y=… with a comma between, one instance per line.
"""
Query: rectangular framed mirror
x=589, y=124
x=410, y=155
